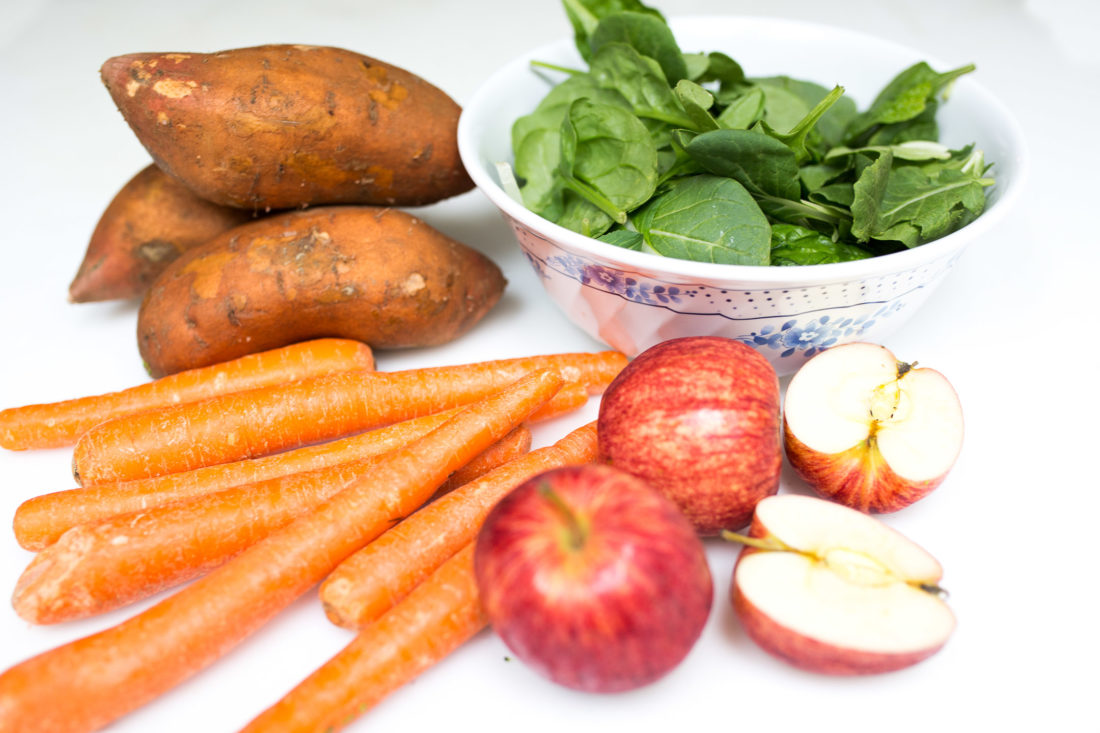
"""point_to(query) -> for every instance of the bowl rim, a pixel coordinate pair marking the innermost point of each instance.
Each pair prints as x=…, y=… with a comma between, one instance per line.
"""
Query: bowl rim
x=691, y=271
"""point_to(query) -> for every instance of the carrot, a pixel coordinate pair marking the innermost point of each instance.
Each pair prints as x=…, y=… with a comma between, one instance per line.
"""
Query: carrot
x=98, y=567
x=434, y=620
x=40, y=520
x=572, y=396
x=92, y=681
x=511, y=446
x=263, y=421
x=369, y=582
x=58, y=424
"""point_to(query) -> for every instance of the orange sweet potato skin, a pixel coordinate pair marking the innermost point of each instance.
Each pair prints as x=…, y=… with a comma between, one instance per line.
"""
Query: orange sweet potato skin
x=151, y=221
x=288, y=126
x=374, y=274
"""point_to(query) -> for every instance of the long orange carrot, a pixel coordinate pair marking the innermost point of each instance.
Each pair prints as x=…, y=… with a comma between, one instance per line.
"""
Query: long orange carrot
x=40, y=520
x=369, y=582
x=57, y=424
x=95, y=568
x=435, y=619
x=513, y=445
x=90, y=682
x=570, y=397
x=263, y=421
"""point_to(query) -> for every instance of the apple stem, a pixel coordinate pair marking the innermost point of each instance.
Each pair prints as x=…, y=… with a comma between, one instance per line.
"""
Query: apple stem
x=576, y=532
x=935, y=590
x=905, y=367
x=770, y=543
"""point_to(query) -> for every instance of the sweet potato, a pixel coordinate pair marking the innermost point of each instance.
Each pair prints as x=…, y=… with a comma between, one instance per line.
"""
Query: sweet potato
x=377, y=275
x=151, y=221
x=287, y=126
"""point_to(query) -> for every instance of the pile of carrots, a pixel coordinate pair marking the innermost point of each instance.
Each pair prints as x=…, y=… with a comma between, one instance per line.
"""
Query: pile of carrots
x=258, y=479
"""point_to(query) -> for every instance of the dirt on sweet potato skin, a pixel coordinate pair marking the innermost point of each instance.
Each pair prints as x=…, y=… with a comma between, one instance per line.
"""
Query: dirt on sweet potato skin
x=287, y=126
x=152, y=220
x=374, y=274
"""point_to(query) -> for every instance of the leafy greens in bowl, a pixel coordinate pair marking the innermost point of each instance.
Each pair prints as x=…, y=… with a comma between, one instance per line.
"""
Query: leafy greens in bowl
x=632, y=299
x=685, y=155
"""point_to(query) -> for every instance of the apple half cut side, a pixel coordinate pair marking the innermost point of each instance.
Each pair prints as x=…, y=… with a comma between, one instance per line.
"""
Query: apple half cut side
x=868, y=431
x=835, y=591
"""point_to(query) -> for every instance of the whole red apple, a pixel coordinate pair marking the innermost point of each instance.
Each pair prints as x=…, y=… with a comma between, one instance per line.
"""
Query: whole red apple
x=699, y=419
x=593, y=578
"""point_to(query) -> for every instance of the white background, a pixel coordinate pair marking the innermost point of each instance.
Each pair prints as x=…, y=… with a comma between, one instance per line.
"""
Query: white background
x=1014, y=328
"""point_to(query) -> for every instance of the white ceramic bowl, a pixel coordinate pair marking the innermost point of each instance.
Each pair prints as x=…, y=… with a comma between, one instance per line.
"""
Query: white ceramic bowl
x=632, y=300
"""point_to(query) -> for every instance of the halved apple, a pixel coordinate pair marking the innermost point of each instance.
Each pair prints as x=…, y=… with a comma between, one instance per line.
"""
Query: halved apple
x=869, y=431
x=835, y=591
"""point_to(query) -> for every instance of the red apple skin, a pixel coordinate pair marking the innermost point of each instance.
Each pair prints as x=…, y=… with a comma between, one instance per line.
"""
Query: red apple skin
x=611, y=613
x=858, y=478
x=810, y=654
x=699, y=419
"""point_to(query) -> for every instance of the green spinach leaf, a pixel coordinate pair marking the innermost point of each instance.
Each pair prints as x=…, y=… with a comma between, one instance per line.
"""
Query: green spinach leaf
x=577, y=213
x=607, y=157
x=795, y=245
x=744, y=111
x=818, y=175
x=707, y=218
x=640, y=80
x=625, y=238
x=725, y=71
x=760, y=163
x=696, y=102
x=537, y=158
x=869, y=191
x=647, y=34
x=836, y=221
x=795, y=138
x=536, y=140
x=903, y=99
x=921, y=127
x=831, y=125
x=585, y=16
x=913, y=203
x=840, y=194
x=551, y=110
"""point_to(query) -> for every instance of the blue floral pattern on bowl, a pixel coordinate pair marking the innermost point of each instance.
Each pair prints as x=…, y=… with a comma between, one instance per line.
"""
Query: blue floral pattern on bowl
x=629, y=285
x=816, y=334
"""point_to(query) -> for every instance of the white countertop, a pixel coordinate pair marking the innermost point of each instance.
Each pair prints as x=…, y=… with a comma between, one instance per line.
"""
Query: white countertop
x=1014, y=328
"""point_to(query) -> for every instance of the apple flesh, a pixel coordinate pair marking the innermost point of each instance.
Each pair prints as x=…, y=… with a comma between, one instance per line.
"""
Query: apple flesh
x=593, y=578
x=869, y=431
x=833, y=590
x=699, y=419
